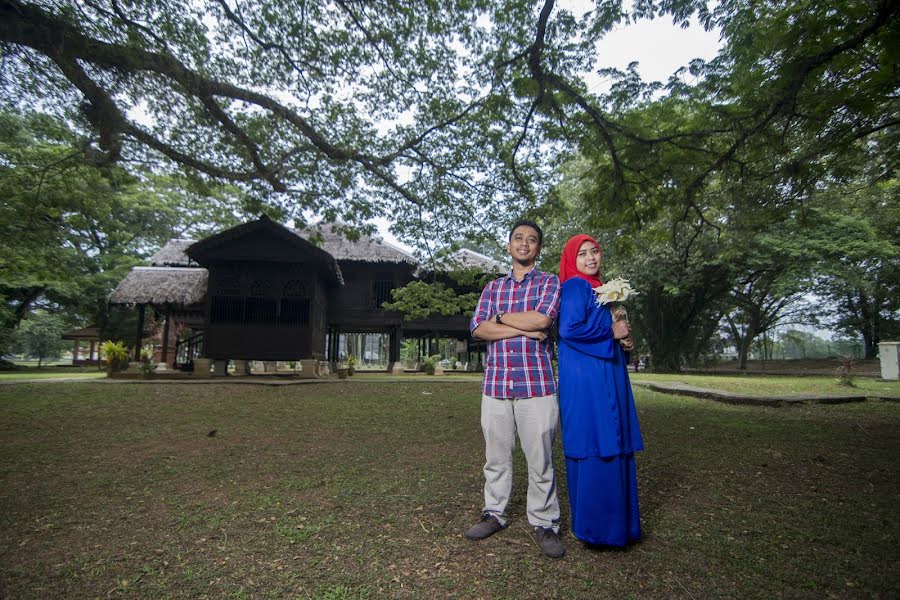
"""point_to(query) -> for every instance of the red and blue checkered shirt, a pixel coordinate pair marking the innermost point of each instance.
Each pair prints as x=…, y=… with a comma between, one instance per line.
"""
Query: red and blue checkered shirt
x=518, y=367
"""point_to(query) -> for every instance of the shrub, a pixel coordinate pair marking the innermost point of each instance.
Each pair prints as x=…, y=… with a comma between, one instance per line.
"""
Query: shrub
x=430, y=362
x=147, y=366
x=116, y=355
x=845, y=371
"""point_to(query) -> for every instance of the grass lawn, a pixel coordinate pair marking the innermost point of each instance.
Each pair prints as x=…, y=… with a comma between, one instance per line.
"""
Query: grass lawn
x=363, y=489
x=776, y=385
x=47, y=362
x=51, y=373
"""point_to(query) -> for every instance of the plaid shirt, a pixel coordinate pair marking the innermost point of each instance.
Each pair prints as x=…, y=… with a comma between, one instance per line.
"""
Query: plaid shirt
x=518, y=367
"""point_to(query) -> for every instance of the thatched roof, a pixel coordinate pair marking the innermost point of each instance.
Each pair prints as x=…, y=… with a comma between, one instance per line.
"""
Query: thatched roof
x=292, y=244
x=181, y=286
x=173, y=254
x=91, y=332
x=365, y=249
x=469, y=259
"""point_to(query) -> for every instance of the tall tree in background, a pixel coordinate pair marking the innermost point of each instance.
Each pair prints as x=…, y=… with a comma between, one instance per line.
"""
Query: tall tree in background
x=40, y=336
x=71, y=230
x=679, y=183
x=860, y=267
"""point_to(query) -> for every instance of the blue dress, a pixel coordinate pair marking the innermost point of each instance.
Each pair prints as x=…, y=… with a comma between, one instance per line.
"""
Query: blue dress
x=600, y=430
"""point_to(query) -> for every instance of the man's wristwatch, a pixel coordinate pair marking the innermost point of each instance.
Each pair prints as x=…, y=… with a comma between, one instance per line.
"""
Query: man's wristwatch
x=497, y=318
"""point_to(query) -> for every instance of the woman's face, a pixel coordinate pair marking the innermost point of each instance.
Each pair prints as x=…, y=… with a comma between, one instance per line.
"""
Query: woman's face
x=587, y=260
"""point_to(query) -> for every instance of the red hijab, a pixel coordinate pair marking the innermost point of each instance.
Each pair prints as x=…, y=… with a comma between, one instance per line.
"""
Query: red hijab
x=567, y=268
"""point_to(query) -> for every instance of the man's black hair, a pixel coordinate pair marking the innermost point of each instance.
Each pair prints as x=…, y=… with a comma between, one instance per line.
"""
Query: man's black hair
x=528, y=223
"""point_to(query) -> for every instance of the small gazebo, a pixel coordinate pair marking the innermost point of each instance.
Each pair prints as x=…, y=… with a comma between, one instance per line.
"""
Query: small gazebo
x=89, y=334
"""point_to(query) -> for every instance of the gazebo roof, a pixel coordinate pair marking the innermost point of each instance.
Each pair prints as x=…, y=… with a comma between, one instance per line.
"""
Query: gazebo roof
x=364, y=249
x=180, y=286
x=91, y=332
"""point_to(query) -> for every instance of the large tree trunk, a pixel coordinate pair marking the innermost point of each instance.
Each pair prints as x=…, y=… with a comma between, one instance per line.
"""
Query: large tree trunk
x=744, y=351
x=866, y=321
x=742, y=341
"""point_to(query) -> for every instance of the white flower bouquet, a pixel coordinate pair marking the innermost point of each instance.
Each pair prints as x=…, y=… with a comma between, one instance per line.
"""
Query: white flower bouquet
x=615, y=290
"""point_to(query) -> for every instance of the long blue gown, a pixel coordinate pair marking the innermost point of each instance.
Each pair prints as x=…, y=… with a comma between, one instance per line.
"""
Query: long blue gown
x=600, y=430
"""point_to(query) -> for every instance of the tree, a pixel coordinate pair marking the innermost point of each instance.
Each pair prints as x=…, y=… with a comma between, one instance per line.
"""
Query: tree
x=313, y=111
x=453, y=290
x=71, y=230
x=422, y=299
x=680, y=185
x=682, y=287
x=860, y=276
x=773, y=272
x=40, y=336
x=802, y=344
x=455, y=118
x=287, y=105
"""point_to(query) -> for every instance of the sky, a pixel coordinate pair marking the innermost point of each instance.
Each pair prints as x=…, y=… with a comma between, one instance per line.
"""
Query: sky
x=659, y=47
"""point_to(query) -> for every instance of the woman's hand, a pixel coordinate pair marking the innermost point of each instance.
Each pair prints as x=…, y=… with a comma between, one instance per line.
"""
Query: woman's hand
x=627, y=344
x=536, y=335
x=621, y=329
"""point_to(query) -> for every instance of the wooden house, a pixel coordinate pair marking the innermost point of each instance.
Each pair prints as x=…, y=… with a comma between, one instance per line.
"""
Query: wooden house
x=263, y=291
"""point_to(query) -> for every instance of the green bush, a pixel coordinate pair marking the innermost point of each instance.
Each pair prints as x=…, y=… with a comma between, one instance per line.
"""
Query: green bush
x=115, y=354
x=147, y=366
x=430, y=362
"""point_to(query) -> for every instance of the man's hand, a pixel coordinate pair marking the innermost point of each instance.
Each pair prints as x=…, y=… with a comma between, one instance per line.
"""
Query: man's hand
x=536, y=335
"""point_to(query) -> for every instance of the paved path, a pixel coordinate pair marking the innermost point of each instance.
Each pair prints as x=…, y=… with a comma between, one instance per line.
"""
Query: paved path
x=249, y=380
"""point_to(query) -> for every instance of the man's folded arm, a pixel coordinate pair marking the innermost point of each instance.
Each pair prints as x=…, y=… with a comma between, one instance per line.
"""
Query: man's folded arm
x=491, y=331
x=529, y=320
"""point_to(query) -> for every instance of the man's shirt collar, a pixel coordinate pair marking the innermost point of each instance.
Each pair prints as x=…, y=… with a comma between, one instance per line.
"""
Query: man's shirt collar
x=532, y=273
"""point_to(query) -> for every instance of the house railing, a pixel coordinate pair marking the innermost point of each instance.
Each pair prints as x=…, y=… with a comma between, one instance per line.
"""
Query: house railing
x=187, y=350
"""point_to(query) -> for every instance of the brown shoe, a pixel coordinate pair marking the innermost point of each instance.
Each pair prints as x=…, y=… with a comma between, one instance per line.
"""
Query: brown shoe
x=486, y=527
x=548, y=541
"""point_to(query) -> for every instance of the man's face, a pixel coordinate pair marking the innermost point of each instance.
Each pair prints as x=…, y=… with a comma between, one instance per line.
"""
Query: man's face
x=524, y=245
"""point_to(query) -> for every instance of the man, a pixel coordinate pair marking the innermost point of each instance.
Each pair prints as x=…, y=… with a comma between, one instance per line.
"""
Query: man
x=519, y=392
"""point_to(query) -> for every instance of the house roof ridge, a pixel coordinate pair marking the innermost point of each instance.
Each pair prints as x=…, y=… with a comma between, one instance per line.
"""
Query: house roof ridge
x=167, y=268
x=475, y=252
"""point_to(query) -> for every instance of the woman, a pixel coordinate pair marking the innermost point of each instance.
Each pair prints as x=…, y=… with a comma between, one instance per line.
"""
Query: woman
x=600, y=429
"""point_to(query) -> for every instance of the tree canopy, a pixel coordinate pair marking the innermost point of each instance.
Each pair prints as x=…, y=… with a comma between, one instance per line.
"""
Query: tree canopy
x=452, y=111
x=70, y=230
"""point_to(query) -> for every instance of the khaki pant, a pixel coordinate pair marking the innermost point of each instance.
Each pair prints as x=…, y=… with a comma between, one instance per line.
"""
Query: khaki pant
x=535, y=420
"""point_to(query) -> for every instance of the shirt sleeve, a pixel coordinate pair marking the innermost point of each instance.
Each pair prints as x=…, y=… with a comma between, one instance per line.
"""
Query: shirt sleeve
x=483, y=311
x=581, y=325
x=549, y=300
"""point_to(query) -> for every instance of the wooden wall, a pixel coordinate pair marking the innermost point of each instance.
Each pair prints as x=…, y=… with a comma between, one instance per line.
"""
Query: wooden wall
x=262, y=310
x=356, y=305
